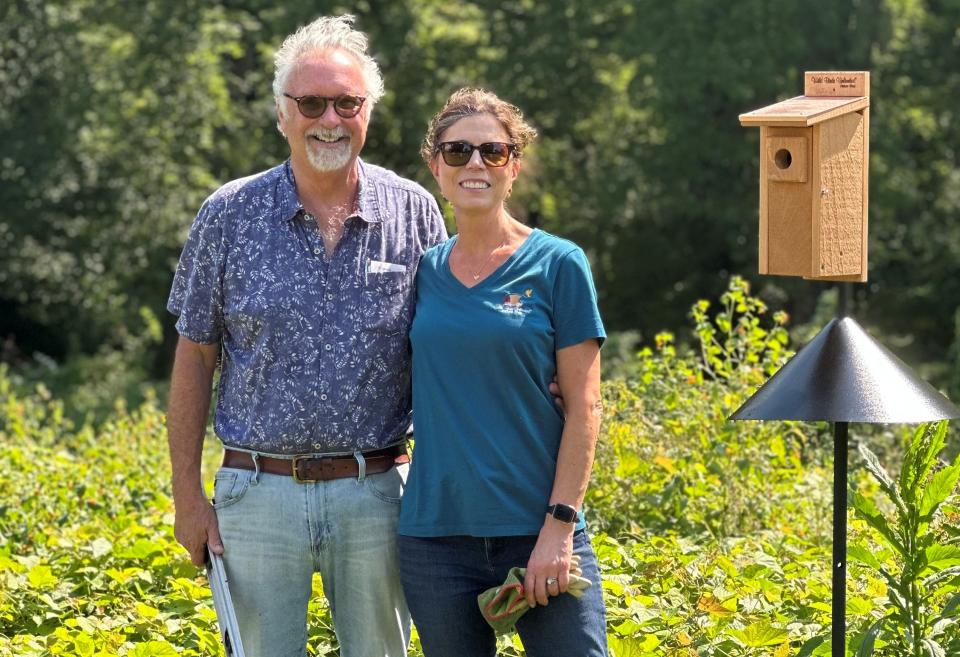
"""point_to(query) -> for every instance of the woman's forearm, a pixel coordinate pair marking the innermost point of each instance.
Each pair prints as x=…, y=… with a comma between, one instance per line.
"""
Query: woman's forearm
x=578, y=375
x=575, y=458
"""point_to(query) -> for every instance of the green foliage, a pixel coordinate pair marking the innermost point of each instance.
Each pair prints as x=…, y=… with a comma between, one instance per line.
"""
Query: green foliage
x=92, y=386
x=118, y=118
x=109, y=116
x=678, y=464
x=713, y=536
x=919, y=555
x=734, y=340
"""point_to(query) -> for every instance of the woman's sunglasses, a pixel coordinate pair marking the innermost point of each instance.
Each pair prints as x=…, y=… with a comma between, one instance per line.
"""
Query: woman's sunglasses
x=313, y=107
x=458, y=153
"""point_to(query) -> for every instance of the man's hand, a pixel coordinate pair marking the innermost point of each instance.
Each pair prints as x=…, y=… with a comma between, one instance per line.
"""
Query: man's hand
x=195, y=527
x=557, y=395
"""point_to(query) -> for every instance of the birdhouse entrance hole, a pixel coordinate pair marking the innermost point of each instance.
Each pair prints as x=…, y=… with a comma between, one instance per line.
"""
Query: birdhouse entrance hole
x=783, y=159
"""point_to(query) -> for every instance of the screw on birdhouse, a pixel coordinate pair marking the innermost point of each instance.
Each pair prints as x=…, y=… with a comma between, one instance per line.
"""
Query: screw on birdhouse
x=824, y=191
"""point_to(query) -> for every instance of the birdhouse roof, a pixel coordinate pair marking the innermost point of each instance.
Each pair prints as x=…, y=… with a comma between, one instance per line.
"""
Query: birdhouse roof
x=804, y=111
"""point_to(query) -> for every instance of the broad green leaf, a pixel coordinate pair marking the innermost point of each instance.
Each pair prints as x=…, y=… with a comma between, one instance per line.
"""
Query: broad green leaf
x=84, y=644
x=760, y=634
x=649, y=642
x=627, y=628
x=868, y=511
x=710, y=604
x=141, y=550
x=727, y=566
x=941, y=626
x=938, y=489
x=6, y=563
x=41, y=577
x=122, y=576
x=863, y=555
x=100, y=547
x=869, y=639
x=933, y=442
x=933, y=649
x=935, y=579
x=941, y=556
x=898, y=599
x=857, y=606
x=153, y=649
x=808, y=648
x=625, y=646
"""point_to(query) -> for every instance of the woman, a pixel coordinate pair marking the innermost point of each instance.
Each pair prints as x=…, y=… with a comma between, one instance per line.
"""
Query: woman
x=498, y=476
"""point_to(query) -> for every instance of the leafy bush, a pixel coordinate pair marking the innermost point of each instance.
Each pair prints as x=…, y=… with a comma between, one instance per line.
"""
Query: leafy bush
x=713, y=536
x=668, y=458
x=919, y=555
x=91, y=385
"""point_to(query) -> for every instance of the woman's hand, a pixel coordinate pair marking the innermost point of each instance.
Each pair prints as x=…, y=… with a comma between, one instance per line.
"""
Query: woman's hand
x=551, y=558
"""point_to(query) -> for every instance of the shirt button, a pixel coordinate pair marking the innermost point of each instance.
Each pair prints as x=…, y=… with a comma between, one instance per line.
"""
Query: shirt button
x=328, y=347
x=323, y=397
x=316, y=252
x=329, y=296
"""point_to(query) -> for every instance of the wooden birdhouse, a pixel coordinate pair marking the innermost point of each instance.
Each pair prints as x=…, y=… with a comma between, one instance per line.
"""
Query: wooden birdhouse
x=814, y=160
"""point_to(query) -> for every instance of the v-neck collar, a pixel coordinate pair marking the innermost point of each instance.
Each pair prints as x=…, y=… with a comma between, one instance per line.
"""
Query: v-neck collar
x=492, y=276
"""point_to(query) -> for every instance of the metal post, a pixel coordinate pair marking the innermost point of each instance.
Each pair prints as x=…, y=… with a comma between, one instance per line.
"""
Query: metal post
x=844, y=299
x=839, y=624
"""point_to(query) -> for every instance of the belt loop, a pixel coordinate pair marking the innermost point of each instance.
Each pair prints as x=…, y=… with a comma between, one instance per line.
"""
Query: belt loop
x=255, y=480
x=361, y=465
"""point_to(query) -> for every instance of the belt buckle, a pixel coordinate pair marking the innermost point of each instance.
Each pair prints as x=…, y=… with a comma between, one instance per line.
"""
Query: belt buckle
x=325, y=463
x=296, y=471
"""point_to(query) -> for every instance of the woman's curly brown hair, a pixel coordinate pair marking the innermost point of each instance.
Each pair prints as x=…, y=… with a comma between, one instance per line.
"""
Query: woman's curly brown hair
x=469, y=102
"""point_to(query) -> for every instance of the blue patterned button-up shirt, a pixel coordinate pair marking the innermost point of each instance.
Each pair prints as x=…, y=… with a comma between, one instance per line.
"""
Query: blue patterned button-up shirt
x=314, y=351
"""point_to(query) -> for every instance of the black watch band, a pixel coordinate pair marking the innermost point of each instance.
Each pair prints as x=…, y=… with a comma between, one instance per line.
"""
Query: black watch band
x=563, y=513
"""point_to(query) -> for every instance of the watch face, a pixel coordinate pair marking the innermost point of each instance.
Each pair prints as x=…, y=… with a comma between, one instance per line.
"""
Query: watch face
x=564, y=513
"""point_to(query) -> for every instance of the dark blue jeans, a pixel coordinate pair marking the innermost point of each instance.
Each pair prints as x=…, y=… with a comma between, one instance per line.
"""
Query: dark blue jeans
x=443, y=576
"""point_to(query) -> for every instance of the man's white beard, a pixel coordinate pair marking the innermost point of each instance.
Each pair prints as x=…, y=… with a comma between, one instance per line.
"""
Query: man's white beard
x=326, y=158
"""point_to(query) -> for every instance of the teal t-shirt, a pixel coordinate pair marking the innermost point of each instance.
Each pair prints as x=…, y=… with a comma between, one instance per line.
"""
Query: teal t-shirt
x=486, y=429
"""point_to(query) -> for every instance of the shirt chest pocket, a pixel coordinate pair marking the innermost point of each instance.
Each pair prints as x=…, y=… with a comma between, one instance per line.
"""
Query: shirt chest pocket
x=386, y=302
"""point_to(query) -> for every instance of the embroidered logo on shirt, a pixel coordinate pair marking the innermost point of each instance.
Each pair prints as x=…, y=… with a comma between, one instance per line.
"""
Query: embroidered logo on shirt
x=513, y=304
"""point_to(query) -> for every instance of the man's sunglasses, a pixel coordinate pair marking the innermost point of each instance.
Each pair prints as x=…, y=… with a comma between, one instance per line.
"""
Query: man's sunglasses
x=458, y=153
x=313, y=107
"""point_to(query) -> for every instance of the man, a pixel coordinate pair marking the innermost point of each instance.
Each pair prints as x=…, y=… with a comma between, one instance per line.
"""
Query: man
x=299, y=281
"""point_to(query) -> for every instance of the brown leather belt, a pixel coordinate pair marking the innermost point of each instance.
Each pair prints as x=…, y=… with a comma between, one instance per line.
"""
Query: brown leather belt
x=307, y=469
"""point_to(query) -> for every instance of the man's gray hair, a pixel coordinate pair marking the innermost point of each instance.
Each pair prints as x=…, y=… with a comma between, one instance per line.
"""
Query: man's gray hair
x=327, y=33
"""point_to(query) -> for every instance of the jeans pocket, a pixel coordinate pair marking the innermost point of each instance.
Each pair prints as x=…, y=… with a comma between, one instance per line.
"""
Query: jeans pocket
x=388, y=486
x=229, y=486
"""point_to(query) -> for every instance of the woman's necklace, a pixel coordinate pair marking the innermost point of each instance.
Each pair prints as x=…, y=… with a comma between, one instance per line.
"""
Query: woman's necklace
x=476, y=274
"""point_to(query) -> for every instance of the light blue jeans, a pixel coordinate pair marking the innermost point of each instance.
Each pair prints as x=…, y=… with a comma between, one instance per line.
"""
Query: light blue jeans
x=276, y=533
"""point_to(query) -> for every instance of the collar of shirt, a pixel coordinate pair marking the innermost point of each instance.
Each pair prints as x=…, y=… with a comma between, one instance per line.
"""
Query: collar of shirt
x=289, y=205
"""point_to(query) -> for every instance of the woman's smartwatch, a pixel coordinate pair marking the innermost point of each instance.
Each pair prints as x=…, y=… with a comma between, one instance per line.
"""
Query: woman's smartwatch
x=563, y=513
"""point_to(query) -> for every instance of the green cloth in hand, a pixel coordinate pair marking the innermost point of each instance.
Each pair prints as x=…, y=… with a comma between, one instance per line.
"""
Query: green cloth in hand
x=502, y=605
